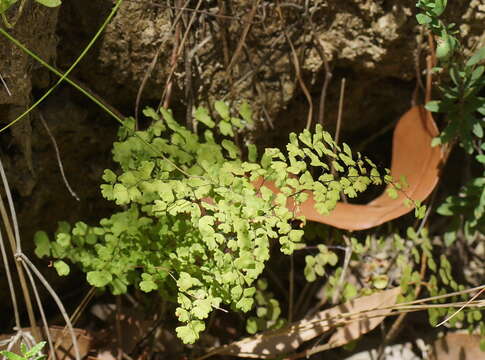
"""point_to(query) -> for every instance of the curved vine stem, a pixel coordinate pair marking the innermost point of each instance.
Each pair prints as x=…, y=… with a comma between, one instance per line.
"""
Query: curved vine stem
x=63, y=76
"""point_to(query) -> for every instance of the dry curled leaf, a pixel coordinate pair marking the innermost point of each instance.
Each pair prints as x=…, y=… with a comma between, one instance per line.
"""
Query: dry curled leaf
x=351, y=320
x=412, y=158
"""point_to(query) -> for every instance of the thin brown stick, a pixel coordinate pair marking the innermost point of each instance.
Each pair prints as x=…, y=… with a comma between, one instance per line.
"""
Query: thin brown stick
x=337, y=293
x=42, y=312
x=173, y=60
x=296, y=64
x=343, y=319
x=119, y=335
x=224, y=33
x=417, y=59
x=397, y=325
x=15, y=246
x=8, y=273
x=291, y=290
x=186, y=9
x=340, y=111
x=20, y=257
x=180, y=49
x=5, y=85
x=328, y=73
x=461, y=308
x=74, y=317
x=154, y=62
x=242, y=40
x=58, y=156
x=11, y=24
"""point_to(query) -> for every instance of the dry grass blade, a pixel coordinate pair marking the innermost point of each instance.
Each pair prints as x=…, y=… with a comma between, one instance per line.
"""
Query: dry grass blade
x=461, y=308
x=269, y=344
x=5, y=85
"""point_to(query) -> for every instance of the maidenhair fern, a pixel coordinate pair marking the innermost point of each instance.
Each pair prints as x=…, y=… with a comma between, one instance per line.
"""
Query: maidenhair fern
x=192, y=223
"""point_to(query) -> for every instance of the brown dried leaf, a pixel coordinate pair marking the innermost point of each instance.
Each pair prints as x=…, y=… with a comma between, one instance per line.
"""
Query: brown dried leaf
x=347, y=317
x=412, y=157
x=355, y=329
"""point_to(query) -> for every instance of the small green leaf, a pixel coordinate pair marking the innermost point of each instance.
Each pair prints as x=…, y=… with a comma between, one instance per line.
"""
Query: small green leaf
x=252, y=325
x=99, y=278
x=50, y=3
x=202, y=308
x=478, y=130
x=445, y=47
x=42, y=244
x=380, y=281
x=35, y=349
x=420, y=211
x=147, y=284
x=63, y=240
x=109, y=176
x=62, y=268
x=225, y=128
x=185, y=281
x=222, y=109
x=231, y=148
x=252, y=153
x=245, y=304
x=5, y=4
x=11, y=356
x=436, y=141
x=246, y=113
x=190, y=333
x=295, y=235
x=477, y=57
x=433, y=106
x=392, y=193
x=151, y=113
x=423, y=19
x=202, y=115
x=121, y=195
x=439, y=8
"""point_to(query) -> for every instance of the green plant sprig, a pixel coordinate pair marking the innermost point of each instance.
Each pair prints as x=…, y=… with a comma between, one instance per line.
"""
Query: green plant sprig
x=35, y=353
x=197, y=252
x=465, y=113
x=460, y=91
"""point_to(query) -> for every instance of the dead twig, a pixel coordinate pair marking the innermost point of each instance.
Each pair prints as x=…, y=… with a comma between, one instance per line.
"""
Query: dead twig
x=224, y=33
x=296, y=64
x=337, y=293
x=13, y=236
x=291, y=282
x=328, y=73
x=119, y=335
x=154, y=62
x=173, y=60
x=5, y=85
x=242, y=40
x=190, y=121
x=180, y=49
x=340, y=111
x=58, y=156
x=187, y=9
